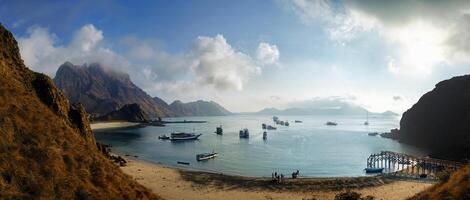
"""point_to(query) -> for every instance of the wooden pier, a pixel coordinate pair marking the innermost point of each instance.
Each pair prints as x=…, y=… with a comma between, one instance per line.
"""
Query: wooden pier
x=407, y=165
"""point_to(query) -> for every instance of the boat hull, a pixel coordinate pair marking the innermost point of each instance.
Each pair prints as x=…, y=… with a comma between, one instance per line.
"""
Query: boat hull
x=195, y=137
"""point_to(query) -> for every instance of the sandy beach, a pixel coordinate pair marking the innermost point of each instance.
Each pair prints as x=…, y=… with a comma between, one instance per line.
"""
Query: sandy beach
x=179, y=184
x=113, y=125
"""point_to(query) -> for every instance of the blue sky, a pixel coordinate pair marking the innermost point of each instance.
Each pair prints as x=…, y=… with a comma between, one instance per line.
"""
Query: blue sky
x=248, y=55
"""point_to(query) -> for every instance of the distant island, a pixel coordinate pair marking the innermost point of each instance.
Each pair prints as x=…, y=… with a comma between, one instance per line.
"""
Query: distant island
x=322, y=106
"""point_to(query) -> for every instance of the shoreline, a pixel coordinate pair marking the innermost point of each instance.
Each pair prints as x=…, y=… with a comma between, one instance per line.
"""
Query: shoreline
x=107, y=125
x=180, y=183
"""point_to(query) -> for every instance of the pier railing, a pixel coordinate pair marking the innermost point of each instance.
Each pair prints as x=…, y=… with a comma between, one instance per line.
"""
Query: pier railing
x=408, y=165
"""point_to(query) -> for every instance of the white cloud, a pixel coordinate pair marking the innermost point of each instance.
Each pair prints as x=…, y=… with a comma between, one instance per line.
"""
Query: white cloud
x=42, y=52
x=267, y=54
x=423, y=35
x=220, y=65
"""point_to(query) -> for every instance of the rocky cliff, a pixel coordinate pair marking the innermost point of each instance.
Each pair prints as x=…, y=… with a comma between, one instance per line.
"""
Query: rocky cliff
x=47, y=148
x=440, y=120
x=198, y=108
x=103, y=90
x=129, y=112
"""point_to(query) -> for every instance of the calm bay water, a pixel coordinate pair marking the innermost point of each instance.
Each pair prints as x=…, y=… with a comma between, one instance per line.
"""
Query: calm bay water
x=312, y=147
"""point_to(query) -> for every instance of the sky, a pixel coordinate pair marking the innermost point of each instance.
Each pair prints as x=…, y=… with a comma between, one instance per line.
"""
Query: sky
x=251, y=54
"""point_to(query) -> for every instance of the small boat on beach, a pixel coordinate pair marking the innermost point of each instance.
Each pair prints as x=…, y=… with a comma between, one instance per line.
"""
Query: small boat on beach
x=244, y=133
x=219, y=130
x=331, y=123
x=265, y=135
x=206, y=156
x=182, y=163
x=371, y=170
x=184, y=136
x=163, y=137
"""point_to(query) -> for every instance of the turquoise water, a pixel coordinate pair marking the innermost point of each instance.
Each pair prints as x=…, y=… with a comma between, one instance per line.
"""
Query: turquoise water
x=313, y=148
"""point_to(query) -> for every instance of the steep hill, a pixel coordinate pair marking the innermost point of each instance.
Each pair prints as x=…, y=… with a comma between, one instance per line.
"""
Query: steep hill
x=198, y=108
x=47, y=148
x=129, y=112
x=440, y=120
x=103, y=90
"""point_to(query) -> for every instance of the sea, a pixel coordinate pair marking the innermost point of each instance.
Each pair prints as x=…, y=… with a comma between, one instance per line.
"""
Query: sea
x=313, y=148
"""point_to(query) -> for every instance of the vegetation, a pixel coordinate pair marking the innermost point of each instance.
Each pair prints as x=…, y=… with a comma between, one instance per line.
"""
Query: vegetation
x=47, y=148
x=350, y=195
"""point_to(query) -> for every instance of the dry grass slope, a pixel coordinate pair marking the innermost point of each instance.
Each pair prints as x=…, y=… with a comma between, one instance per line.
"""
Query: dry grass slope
x=456, y=187
x=47, y=150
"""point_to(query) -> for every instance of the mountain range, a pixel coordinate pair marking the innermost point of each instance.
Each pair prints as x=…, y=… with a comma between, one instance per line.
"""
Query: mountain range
x=102, y=90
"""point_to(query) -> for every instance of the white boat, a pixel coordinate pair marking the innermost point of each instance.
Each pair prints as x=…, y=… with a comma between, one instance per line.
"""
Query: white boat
x=206, y=156
x=184, y=136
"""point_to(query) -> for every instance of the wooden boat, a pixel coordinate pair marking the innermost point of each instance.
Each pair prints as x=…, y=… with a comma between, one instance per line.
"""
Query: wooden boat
x=184, y=136
x=331, y=123
x=374, y=170
x=206, y=156
x=163, y=137
x=182, y=163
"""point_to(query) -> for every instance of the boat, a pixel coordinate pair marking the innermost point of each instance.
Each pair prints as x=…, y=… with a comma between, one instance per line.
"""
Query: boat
x=184, y=136
x=298, y=121
x=373, y=134
x=265, y=135
x=219, y=130
x=275, y=118
x=263, y=126
x=366, y=123
x=331, y=123
x=182, y=163
x=269, y=127
x=374, y=170
x=206, y=156
x=244, y=133
x=163, y=137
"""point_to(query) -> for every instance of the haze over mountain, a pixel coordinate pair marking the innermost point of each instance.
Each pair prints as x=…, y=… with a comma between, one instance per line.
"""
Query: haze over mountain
x=103, y=90
x=198, y=108
x=322, y=106
x=48, y=149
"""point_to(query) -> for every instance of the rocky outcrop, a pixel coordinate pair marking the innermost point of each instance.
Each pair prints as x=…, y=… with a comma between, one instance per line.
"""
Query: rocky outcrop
x=47, y=148
x=440, y=120
x=103, y=90
x=129, y=112
x=198, y=108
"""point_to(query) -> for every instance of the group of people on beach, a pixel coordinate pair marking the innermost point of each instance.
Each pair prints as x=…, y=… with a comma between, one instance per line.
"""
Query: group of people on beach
x=280, y=177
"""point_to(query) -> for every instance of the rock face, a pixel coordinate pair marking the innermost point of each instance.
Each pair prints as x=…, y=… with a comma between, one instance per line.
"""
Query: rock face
x=198, y=108
x=440, y=120
x=129, y=112
x=47, y=148
x=103, y=90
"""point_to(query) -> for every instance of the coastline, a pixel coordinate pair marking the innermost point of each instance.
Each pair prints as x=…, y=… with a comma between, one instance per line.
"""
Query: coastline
x=97, y=126
x=177, y=183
